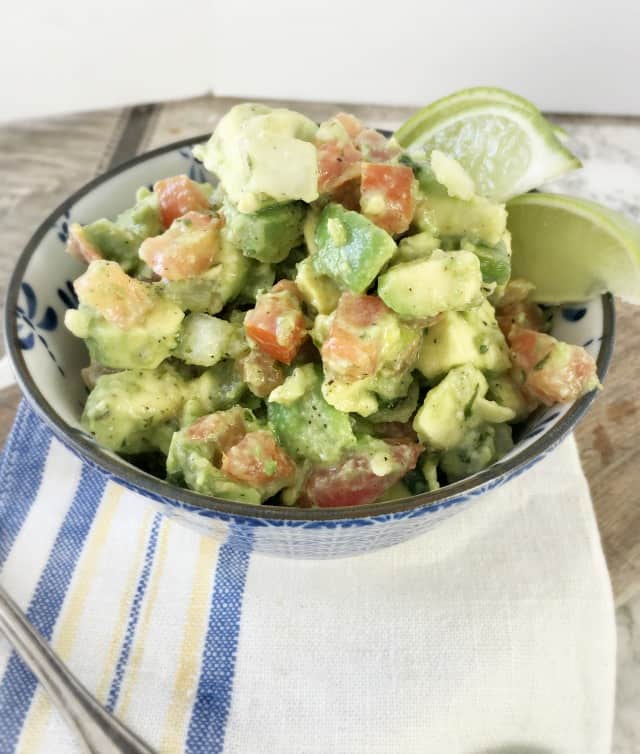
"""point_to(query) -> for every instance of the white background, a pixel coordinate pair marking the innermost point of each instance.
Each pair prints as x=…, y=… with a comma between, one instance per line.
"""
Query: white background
x=567, y=55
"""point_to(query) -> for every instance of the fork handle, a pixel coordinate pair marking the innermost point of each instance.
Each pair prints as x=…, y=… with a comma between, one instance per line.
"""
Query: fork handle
x=100, y=732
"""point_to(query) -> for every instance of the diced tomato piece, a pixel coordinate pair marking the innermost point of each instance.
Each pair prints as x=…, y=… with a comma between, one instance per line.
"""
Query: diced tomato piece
x=387, y=197
x=224, y=428
x=261, y=373
x=375, y=147
x=287, y=286
x=80, y=247
x=554, y=372
x=515, y=309
x=530, y=347
x=177, y=196
x=517, y=289
x=347, y=352
x=353, y=482
x=337, y=164
x=277, y=324
x=120, y=299
x=186, y=250
x=257, y=459
x=360, y=310
x=350, y=123
x=344, y=355
x=522, y=314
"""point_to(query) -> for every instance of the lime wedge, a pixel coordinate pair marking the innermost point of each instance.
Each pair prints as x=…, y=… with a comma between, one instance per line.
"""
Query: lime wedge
x=573, y=249
x=560, y=133
x=501, y=139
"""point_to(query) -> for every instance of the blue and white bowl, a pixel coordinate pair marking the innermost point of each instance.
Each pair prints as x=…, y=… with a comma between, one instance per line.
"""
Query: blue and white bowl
x=47, y=361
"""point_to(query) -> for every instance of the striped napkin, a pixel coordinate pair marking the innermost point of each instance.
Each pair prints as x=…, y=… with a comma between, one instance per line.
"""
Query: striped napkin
x=492, y=634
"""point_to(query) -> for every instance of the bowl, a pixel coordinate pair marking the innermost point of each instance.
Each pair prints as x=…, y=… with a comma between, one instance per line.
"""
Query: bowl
x=47, y=360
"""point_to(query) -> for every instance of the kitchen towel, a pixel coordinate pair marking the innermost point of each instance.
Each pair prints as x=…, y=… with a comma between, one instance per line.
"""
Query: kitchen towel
x=491, y=634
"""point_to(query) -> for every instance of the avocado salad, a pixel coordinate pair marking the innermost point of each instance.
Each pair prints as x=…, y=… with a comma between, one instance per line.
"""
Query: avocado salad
x=333, y=323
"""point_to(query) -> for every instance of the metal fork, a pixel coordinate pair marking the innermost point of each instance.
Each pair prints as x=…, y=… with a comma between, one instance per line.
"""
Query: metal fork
x=99, y=731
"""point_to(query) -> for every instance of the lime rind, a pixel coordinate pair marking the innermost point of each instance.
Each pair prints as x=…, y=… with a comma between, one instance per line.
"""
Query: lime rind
x=411, y=128
x=508, y=115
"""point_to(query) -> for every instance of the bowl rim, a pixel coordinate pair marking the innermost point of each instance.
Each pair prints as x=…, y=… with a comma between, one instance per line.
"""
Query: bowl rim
x=154, y=487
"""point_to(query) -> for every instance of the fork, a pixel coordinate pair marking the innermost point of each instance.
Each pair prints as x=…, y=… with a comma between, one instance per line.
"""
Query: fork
x=99, y=731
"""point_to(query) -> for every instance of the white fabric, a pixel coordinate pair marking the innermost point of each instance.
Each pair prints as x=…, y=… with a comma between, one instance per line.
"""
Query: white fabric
x=492, y=634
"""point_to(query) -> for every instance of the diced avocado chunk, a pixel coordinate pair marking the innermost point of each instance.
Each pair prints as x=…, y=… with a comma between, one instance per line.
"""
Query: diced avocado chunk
x=309, y=228
x=481, y=447
x=429, y=468
x=318, y=291
x=263, y=156
x=267, y=235
x=395, y=492
x=428, y=184
x=369, y=395
x=351, y=397
x=143, y=346
x=115, y=243
x=197, y=460
x=210, y=292
x=219, y=387
x=398, y=347
x=477, y=218
x=206, y=340
x=351, y=249
x=504, y=390
x=443, y=282
x=469, y=337
x=136, y=411
x=452, y=176
x=309, y=428
x=399, y=410
x=119, y=241
x=495, y=261
x=418, y=246
x=455, y=405
x=143, y=219
x=260, y=277
x=128, y=412
x=189, y=462
x=301, y=381
x=188, y=465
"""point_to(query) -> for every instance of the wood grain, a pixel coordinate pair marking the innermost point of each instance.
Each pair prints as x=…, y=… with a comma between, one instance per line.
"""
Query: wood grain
x=609, y=442
x=42, y=162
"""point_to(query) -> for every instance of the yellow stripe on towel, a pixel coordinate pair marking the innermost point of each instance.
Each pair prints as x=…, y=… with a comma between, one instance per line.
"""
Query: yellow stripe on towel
x=65, y=633
x=195, y=627
x=141, y=633
x=125, y=607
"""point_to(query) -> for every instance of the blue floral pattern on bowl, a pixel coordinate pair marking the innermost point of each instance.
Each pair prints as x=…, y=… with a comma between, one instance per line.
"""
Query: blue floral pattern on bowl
x=47, y=361
x=573, y=313
x=31, y=323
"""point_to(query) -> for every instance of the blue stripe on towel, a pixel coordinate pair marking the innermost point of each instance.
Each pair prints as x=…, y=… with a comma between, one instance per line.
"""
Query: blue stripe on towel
x=23, y=462
x=213, y=699
x=19, y=684
x=134, y=614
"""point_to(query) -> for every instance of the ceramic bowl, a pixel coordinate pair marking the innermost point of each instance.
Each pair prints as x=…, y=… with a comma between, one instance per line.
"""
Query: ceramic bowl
x=47, y=361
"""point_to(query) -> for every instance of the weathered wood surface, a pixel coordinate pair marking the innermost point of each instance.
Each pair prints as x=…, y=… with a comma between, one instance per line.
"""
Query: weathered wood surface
x=42, y=162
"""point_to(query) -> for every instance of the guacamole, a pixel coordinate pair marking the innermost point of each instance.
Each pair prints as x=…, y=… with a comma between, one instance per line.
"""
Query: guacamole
x=333, y=324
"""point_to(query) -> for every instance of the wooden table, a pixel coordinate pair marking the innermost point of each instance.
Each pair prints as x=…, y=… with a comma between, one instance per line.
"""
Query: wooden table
x=42, y=162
